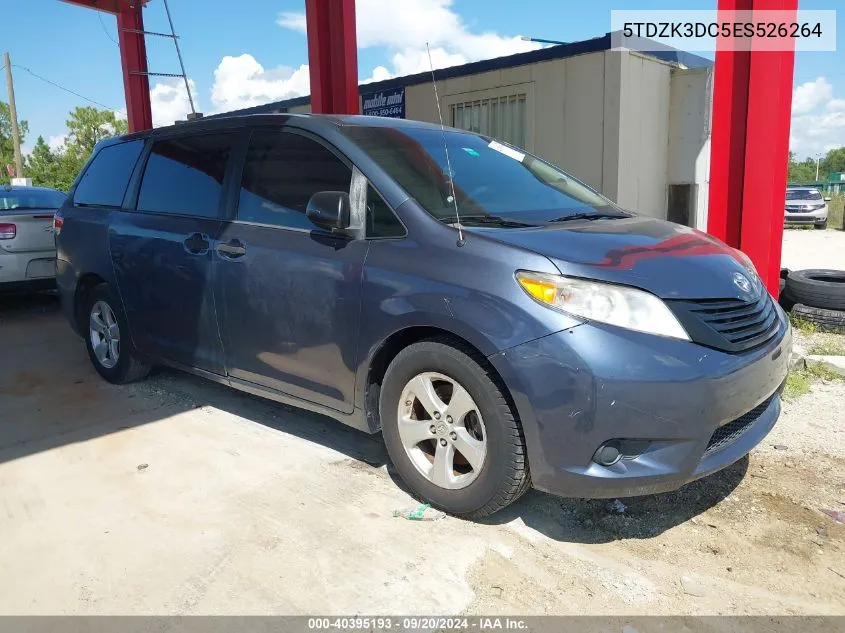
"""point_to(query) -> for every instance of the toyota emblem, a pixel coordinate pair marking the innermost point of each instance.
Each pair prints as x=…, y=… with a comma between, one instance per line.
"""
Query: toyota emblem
x=742, y=282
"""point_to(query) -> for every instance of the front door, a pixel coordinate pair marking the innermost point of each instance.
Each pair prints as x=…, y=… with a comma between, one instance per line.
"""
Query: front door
x=162, y=252
x=289, y=293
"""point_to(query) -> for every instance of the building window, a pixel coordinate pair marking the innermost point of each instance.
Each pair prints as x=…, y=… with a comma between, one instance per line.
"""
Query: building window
x=503, y=117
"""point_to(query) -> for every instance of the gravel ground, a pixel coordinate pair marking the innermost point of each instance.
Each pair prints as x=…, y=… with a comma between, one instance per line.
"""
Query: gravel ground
x=806, y=248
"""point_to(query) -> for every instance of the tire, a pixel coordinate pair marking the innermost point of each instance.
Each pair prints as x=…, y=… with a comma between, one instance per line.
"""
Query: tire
x=821, y=226
x=503, y=475
x=121, y=365
x=818, y=288
x=825, y=320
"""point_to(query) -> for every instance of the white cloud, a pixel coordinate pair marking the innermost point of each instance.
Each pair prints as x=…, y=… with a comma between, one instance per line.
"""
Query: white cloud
x=811, y=94
x=170, y=103
x=57, y=142
x=241, y=82
x=380, y=73
x=405, y=27
x=818, y=120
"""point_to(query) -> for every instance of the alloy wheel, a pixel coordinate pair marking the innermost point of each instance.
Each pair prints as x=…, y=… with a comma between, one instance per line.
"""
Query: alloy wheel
x=105, y=334
x=441, y=430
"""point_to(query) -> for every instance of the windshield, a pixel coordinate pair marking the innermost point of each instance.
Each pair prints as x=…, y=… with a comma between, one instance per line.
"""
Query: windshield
x=492, y=181
x=803, y=194
x=30, y=199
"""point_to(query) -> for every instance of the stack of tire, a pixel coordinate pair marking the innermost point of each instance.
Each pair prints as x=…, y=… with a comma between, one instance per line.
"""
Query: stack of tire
x=816, y=296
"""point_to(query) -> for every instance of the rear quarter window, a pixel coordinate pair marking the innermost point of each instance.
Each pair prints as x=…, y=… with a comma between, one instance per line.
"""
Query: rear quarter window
x=104, y=182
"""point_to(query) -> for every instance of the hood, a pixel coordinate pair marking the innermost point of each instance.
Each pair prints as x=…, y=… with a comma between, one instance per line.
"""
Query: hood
x=669, y=260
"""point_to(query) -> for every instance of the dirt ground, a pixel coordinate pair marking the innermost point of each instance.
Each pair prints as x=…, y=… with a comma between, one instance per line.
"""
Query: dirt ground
x=178, y=496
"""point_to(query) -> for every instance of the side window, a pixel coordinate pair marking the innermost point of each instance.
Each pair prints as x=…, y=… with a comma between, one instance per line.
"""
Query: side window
x=281, y=173
x=381, y=221
x=104, y=182
x=184, y=176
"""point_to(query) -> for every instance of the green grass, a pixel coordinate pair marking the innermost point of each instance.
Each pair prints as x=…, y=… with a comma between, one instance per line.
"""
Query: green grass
x=800, y=324
x=827, y=348
x=799, y=381
x=836, y=210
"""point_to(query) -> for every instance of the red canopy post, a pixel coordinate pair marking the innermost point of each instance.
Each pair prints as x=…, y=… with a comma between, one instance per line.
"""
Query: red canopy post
x=133, y=57
x=752, y=106
x=332, y=56
x=133, y=60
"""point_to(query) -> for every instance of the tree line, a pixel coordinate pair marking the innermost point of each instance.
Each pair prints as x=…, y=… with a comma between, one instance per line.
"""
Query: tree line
x=804, y=171
x=57, y=167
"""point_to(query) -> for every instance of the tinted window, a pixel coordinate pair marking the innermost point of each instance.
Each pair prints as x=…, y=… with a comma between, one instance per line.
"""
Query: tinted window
x=30, y=199
x=381, y=221
x=185, y=175
x=104, y=182
x=281, y=173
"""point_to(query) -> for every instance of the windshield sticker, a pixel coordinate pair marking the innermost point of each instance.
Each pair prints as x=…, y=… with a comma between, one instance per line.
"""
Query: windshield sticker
x=471, y=151
x=507, y=151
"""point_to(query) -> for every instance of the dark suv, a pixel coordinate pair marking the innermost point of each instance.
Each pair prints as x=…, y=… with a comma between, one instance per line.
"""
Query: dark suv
x=500, y=323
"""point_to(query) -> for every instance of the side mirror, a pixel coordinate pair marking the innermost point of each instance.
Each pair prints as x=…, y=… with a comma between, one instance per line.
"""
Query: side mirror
x=329, y=210
x=827, y=199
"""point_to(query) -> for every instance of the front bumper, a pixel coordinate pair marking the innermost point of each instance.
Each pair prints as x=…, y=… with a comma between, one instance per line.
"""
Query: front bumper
x=808, y=217
x=577, y=389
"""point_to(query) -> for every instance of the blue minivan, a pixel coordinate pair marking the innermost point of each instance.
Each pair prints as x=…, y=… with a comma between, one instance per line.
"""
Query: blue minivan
x=501, y=324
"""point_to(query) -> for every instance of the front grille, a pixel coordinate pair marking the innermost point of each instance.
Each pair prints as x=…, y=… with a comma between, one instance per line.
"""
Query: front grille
x=731, y=325
x=729, y=433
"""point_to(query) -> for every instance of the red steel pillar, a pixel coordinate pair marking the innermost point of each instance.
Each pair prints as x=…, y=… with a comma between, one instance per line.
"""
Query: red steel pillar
x=133, y=59
x=752, y=104
x=332, y=56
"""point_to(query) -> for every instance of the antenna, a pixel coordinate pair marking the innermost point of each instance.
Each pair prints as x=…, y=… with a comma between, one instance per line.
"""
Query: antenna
x=461, y=240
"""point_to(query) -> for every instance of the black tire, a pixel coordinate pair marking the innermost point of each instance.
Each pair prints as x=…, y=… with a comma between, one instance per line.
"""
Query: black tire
x=818, y=288
x=128, y=368
x=825, y=320
x=821, y=226
x=504, y=475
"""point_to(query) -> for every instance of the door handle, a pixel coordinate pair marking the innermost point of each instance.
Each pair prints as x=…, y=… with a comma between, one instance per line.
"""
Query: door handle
x=197, y=243
x=231, y=249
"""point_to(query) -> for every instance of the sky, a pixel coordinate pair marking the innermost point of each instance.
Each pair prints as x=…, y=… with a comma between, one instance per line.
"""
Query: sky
x=239, y=54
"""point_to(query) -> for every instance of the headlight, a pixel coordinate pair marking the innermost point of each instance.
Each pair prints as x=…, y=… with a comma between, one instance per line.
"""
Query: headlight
x=608, y=303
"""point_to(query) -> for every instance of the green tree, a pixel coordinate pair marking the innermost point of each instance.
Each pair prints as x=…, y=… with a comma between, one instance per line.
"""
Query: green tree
x=48, y=168
x=801, y=172
x=7, y=150
x=86, y=127
x=833, y=162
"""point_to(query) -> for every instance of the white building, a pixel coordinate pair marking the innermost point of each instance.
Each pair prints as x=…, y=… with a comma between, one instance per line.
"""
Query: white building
x=634, y=125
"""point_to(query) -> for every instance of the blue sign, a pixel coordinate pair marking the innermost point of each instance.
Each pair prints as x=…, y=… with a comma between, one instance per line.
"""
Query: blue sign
x=390, y=103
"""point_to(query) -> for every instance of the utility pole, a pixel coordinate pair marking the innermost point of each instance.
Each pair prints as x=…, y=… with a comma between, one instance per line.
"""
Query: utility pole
x=818, y=160
x=13, y=115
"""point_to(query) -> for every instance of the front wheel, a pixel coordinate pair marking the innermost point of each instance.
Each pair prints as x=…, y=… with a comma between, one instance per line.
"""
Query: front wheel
x=450, y=431
x=107, y=339
x=821, y=226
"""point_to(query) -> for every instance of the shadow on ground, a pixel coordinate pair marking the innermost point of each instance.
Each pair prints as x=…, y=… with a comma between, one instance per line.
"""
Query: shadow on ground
x=600, y=521
x=51, y=396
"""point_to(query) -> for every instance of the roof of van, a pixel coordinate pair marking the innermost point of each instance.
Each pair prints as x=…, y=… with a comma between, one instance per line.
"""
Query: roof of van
x=235, y=118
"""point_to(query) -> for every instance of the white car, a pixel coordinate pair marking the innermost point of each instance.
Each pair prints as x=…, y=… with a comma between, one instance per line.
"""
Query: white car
x=805, y=205
x=27, y=243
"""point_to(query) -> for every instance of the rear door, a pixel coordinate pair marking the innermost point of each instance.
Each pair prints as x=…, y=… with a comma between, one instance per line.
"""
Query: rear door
x=162, y=250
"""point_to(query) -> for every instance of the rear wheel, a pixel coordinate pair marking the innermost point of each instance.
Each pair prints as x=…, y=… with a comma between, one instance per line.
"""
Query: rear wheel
x=450, y=431
x=107, y=339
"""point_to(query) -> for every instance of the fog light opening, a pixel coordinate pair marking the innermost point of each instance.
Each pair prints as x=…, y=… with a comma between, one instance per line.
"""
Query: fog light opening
x=608, y=453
